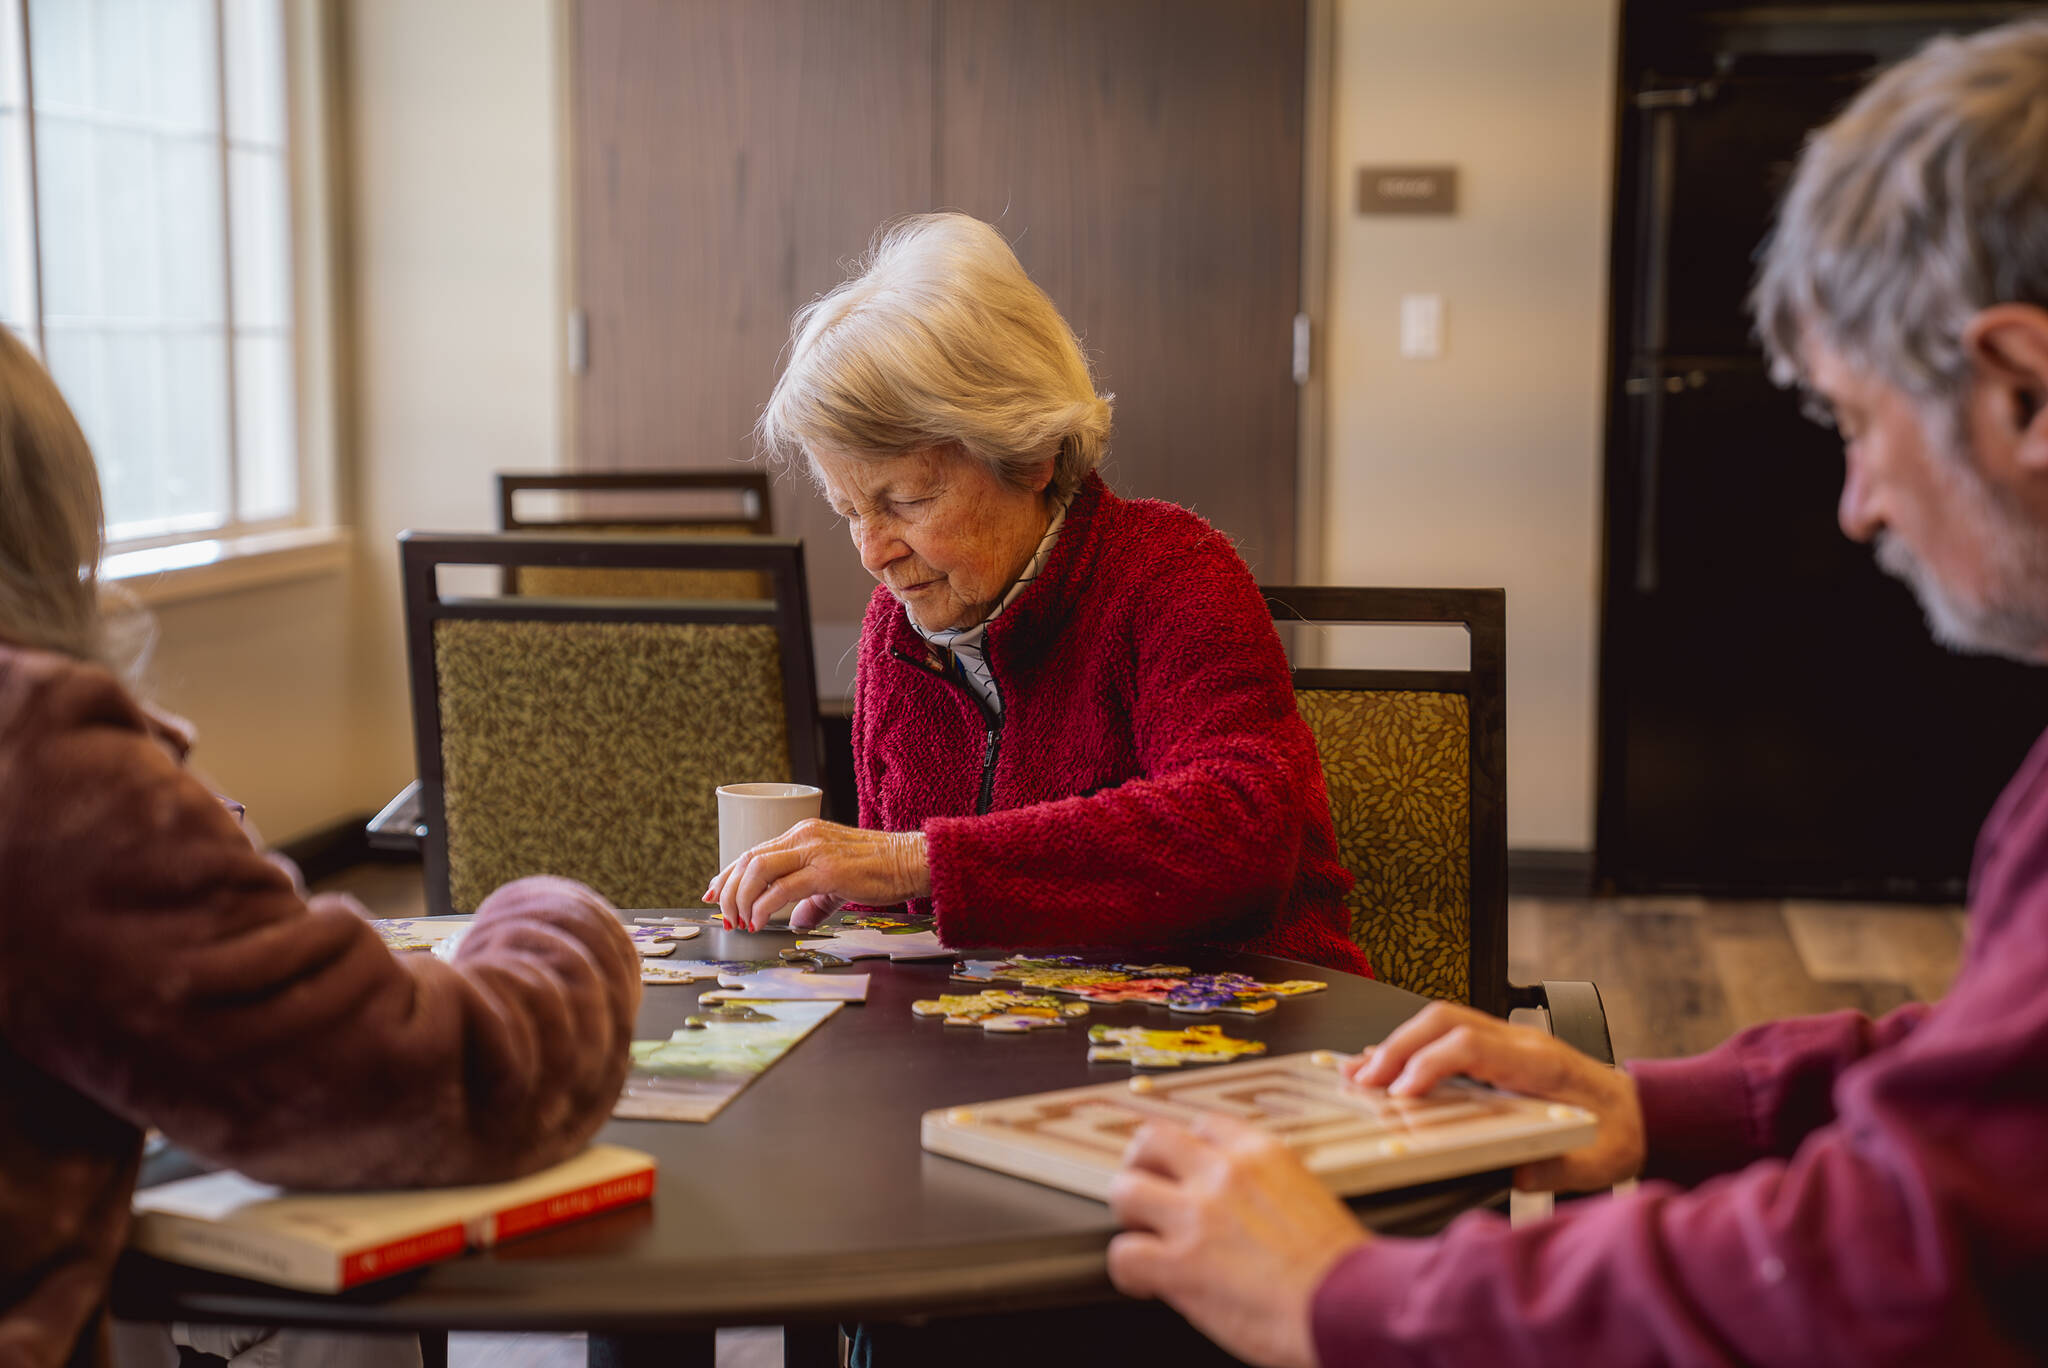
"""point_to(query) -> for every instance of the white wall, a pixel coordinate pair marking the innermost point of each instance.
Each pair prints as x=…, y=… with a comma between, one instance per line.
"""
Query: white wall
x=1481, y=467
x=266, y=676
x=458, y=301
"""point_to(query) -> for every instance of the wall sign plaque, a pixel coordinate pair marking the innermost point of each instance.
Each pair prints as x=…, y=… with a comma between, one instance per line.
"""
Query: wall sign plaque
x=1407, y=189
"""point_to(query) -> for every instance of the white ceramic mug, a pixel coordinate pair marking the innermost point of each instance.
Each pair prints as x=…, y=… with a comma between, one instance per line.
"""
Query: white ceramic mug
x=749, y=814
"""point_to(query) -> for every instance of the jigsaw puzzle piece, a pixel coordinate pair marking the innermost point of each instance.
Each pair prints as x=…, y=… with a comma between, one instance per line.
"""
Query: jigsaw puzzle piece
x=887, y=925
x=862, y=943
x=726, y=1014
x=691, y=925
x=1148, y=1049
x=405, y=933
x=698, y=971
x=788, y=985
x=999, y=1011
x=660, y=940
x=1055, y=973
x=677, y=971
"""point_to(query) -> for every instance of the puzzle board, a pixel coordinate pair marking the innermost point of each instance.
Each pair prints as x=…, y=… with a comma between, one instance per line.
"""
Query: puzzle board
x=1357, y=1140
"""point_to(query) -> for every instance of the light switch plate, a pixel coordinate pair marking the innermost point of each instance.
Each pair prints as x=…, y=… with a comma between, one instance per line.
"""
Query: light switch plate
x=1422, y=326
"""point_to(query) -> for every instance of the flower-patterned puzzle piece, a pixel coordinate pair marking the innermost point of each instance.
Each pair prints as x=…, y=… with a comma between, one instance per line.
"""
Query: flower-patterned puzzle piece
x=660, y=940
x=1146, y=1049
x=1173, y=986
x=1000, y=1011
x=417, y=933
x=782, y=984
x=866, y=943
x=887, y=925
x=698, y=971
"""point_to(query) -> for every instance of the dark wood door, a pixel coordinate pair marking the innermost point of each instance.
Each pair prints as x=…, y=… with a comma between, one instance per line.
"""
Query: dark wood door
x=1145, y=160
x=734, y=157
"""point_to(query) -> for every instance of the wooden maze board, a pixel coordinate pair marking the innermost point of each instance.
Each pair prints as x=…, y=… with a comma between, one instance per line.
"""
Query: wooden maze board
x=1357, y=1140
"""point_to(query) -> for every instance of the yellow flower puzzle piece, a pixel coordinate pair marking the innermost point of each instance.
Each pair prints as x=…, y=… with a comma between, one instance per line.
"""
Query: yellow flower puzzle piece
x=1001, y=1011
x=1147, y=1049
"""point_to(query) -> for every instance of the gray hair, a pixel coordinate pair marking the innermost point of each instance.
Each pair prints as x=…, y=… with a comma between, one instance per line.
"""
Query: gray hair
x=1924, y=202
x=941, y=338
x=51, y=527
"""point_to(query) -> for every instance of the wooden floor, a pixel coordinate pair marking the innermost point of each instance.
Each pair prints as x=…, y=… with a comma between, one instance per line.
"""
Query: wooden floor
x=1678, y=975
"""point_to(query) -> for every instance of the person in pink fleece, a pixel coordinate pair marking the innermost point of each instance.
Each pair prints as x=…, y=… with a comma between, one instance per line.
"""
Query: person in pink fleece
x=1074, y=723
x=157, y=970
x=1832, y=1190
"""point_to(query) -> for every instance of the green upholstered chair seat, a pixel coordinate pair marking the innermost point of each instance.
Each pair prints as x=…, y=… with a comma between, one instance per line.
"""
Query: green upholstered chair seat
x=593, y=749
x=1397, y=763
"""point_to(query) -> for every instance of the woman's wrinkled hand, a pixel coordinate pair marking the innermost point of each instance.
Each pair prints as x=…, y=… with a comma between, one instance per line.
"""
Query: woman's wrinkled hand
x=1224, y=1224
x=818, y=866
x=1443, y=1041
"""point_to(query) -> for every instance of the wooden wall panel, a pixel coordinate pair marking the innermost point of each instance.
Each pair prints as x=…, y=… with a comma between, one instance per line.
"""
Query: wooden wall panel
x=1144, y=157
x=733, y=157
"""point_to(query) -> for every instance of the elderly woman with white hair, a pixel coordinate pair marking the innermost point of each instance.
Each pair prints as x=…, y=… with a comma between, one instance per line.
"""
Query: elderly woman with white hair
x=1073, y=722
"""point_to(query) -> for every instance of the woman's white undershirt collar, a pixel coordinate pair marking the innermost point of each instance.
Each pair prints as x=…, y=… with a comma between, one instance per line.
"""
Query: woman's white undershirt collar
x=965, y=643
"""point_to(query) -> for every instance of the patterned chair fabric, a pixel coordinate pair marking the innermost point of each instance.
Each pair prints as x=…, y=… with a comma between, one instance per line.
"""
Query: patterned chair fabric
x=1398, y=768
x=593, y=750
x=568, y=581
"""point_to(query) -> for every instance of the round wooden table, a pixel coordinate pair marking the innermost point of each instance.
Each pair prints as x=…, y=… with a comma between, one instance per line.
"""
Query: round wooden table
x=808, y=1199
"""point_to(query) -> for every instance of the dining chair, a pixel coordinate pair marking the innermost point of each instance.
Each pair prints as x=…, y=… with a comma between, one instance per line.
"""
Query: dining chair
x=746, y=512
x=585, y=736
x=1416, y=765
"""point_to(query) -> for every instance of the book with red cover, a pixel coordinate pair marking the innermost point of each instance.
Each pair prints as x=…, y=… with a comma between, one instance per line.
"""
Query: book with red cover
x=329, y=1241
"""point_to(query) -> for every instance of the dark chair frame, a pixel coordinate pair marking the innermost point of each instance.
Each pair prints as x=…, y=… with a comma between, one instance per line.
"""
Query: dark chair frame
x=421, y=554
x=512, y=483
x=1575, y=1010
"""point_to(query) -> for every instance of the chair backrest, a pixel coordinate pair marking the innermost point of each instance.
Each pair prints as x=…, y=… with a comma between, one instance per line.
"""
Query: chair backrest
x=586, y=736
x=1416, y=763
x=751, y=516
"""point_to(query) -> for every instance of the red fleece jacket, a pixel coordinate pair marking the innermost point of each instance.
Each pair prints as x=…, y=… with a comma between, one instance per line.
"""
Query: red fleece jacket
x=1149, y=781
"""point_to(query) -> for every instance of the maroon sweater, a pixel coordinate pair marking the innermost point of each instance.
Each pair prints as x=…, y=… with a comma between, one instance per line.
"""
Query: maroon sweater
x=1856, y=1192
x=1149, y=781
x=156, y=970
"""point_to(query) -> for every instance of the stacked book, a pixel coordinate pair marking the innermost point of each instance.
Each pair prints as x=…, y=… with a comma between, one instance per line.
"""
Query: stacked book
x=330, y=1241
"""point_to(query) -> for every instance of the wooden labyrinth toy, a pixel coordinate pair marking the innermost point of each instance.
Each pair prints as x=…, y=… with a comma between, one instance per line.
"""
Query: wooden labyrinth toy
x=1001, y=1012
x=1136, y=1046
x=1356, y=1140
x=1173, y=986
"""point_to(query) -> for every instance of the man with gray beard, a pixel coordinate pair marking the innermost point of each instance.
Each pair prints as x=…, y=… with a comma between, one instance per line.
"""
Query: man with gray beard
x=1825, y=1190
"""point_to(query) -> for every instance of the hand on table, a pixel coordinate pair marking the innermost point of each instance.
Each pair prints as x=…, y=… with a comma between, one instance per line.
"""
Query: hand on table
x=1226, y=1226
x=1442, y=1041
x=819, y=865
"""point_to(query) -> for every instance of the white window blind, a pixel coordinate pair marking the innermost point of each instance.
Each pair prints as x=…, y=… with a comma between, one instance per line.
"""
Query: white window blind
x=145, y=249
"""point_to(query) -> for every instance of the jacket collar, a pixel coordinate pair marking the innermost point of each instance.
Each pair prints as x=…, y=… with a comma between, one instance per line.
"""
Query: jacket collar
x=1036, y=616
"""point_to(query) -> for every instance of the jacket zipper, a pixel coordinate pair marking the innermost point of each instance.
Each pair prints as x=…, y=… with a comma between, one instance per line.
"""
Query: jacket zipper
x=992, y=746
x=989, y=752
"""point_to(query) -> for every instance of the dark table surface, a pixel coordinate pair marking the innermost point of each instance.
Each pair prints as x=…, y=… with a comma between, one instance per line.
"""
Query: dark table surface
x=809, y=1198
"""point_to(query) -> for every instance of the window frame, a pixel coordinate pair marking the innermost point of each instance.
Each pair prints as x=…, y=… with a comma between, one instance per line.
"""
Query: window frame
x=309, y=200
